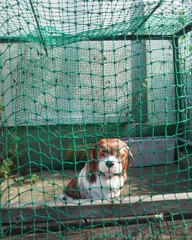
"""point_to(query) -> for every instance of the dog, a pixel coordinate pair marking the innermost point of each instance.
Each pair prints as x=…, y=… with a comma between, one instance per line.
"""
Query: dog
x=105, y=173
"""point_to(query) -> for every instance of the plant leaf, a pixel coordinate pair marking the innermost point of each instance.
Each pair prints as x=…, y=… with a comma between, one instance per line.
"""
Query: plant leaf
x=12, y=149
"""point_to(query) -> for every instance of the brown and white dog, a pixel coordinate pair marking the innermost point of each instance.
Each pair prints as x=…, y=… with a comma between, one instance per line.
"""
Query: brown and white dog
x=104, y=174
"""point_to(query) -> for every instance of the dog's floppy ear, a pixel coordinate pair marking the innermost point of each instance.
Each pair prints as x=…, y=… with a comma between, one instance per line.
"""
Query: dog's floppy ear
x=71, y=189
x=92, y=165
x=130, y=156
x=92, y=153
x=127, y=162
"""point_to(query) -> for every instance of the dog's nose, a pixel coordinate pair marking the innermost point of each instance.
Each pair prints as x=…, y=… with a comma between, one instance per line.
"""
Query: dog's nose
x=109, y=164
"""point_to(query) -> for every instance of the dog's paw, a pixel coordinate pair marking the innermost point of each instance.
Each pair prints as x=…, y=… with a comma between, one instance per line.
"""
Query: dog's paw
x=64, y=198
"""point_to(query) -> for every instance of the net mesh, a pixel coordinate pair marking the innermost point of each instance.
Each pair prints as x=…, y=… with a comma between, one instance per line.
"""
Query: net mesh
x=73, y=73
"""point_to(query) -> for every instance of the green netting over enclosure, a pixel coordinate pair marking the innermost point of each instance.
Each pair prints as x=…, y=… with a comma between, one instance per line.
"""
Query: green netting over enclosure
x=73, y=72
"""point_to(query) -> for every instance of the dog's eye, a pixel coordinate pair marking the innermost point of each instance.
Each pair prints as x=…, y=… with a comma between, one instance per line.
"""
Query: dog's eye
x=103, y=154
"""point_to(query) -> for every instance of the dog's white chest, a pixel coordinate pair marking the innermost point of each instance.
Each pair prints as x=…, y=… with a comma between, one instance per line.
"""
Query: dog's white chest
x=103, y=188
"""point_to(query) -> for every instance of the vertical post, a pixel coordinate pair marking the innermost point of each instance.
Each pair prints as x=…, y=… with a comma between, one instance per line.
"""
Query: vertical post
x=178, y=84
x=139, y=71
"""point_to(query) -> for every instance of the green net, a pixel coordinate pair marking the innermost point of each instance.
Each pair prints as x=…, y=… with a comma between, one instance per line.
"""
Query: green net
x=73, y=73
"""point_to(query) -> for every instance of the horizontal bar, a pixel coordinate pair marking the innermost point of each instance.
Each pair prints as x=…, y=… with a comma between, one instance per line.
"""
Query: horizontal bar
x=137, y=37
x=74, y=225
x=180, y=33
x=111, y=38
x=39, y=212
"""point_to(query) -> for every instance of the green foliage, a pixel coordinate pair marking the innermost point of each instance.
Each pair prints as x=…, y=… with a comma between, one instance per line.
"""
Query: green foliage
x=7, y=161
x=29, y=179
x=2, y=108
x=182, y=18
x=6, y=168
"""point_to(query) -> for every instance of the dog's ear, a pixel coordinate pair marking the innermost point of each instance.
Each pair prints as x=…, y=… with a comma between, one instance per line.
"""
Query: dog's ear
x=130, y=156
x=71, y=189
x=127, y=161
x=92, y=153
x=92, y=165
